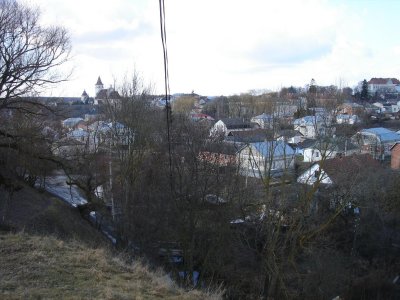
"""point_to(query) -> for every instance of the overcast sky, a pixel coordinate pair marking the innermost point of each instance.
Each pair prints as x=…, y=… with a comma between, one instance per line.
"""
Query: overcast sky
x=225, y=47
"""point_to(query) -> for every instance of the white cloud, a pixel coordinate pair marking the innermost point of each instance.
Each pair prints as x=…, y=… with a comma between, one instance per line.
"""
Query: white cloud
x=224, y=46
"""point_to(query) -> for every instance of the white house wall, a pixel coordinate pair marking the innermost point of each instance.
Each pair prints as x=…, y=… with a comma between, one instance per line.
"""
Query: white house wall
x=306, y=131
x=313, y=174
x=219, y=128
x=311, y=155
x=293, y=140
x=253, y=164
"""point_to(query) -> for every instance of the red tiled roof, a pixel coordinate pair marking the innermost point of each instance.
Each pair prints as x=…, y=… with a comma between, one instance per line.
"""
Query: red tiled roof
x=383, y=81
x=395, y=145
x=201, y=116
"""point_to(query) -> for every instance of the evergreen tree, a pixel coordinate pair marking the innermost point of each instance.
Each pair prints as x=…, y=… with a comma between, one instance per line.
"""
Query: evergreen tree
x=364, y=90
x=313, y=88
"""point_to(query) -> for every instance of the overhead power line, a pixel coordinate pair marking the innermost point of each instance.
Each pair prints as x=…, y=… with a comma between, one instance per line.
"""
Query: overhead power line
x=166, y=85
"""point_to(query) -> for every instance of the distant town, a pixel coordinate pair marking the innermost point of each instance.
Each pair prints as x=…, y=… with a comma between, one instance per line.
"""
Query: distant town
x=122, y=193
x=359, y=121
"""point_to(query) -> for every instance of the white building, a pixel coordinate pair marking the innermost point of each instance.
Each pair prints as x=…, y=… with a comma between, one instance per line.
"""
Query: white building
x=71, y=122
x=269, y=158
x=328, y=149
x=376, y=141
x=314, y=174
x=103, y=95
x=347, y=119
x=343, y=171
x=312, y=126
x=382, y=85
x=225, y=126
x=264, y=120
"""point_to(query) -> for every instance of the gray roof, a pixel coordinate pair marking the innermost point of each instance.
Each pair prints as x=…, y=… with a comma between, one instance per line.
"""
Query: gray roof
x=289, y=133
x=107, y=94
x=307, y=143
x=99, y=81
x=384, y=134
x=222, y=148
x=307, y=120
x=337, y=144
x=249, y=136
x=71, y=121
x=353, y=104
x=78, y=133
x=236, y=123
x=264, y=117
x=276, y=148
x=344, y=144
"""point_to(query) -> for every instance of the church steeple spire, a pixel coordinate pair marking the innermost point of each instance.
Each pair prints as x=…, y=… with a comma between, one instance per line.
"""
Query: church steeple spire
x=98, y=86
x=99, y=81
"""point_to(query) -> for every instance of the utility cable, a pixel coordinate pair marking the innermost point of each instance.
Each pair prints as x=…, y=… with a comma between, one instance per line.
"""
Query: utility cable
x=166, y=86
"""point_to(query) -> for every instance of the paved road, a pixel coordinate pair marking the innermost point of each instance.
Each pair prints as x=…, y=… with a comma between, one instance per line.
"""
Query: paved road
x=56, y=184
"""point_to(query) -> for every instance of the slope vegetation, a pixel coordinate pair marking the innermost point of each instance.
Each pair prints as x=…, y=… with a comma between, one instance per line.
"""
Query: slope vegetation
x=48, y=251
x=39, y=267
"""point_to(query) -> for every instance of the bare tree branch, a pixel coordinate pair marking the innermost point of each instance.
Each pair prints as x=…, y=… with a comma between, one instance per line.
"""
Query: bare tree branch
x=30, y=54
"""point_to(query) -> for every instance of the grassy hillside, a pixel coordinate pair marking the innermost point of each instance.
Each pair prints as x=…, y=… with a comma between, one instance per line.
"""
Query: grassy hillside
x=41, y=213
x=38, y=267
x=47, y=251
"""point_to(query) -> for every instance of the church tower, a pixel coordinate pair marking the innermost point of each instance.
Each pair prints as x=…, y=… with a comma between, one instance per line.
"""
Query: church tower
x=84, y=96
x=99, y=86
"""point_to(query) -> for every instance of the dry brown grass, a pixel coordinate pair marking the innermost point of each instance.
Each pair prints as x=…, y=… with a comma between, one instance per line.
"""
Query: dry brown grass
x=33, y=267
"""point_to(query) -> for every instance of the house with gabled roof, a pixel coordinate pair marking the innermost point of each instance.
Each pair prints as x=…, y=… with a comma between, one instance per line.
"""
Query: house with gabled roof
x=103, y=96
x=78, y=134
x=289, y=136
x=71, y=122
x=304, y=144
x=347, y=119
x=268, y=158
x=85, y=99
x=227, y=125
x=312, y=126
x=221, y=154
x=395, y=157
x=351, y=108
x=249, y=136
x=200, y=116
x=338, y=171
x=264, y=120
x=328, y=148
x=376, y=141
x=382, y=85
x=340, y=178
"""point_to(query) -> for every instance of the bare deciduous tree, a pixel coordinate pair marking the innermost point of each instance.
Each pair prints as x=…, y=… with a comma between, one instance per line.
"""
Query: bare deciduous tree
x=30, y=53
x=30, y=56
